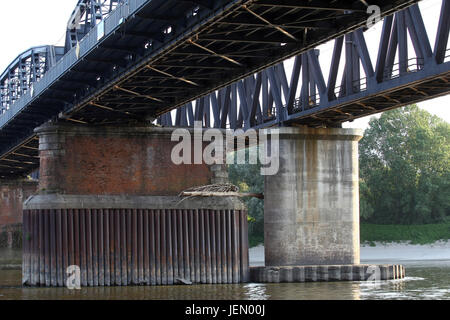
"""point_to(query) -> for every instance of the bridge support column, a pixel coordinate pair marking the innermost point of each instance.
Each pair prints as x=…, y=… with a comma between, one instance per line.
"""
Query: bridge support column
x=311, y=207
x=12, y=195
x=108, y=204
x=116, y=161
x=311, y=211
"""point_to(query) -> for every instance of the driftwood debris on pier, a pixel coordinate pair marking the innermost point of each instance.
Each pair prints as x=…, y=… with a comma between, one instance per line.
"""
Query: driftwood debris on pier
x=219, y=190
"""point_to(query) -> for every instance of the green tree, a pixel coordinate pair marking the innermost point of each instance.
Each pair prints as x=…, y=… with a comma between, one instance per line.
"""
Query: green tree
x=404, y=168
x=248, y=178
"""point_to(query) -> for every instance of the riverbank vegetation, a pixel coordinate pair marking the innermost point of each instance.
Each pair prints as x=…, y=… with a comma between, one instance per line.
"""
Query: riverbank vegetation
x=416, y=234
x=404, y=180
x=405, y=168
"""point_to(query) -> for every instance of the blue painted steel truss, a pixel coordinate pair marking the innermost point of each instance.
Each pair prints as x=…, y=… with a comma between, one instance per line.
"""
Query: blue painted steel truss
x=86, y=15
x=146, y=58
x=28, y=68
x=268, y=99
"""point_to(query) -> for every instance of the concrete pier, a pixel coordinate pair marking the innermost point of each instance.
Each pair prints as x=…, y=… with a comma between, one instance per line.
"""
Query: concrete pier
x=120, y=160
x=12, y=195
x=108, y=203
x=311, y=211
x=134, y=240
x=318, y=273
x=311, y=207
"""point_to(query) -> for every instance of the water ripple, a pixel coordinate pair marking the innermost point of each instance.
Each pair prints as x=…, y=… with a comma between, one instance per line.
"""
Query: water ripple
x=423, y=282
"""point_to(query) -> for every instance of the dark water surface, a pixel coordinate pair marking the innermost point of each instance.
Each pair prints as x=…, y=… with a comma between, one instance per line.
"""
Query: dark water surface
x=424, y=280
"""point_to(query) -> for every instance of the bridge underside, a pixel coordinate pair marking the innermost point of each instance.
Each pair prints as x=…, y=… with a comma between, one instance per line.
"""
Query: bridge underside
x=24, y=158
x=155, y=56
x=365, y=103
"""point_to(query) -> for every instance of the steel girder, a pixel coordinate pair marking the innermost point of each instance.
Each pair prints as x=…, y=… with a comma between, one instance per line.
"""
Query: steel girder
x=149, y=57
x=26, y=69
x=32, y=64
x=86, y=15
x=268, y=98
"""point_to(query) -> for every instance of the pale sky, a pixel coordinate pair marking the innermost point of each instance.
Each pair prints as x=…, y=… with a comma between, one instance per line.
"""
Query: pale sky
x=28, y=23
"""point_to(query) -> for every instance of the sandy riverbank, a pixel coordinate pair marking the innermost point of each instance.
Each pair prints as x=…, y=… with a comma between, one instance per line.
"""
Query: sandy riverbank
x=383, y=252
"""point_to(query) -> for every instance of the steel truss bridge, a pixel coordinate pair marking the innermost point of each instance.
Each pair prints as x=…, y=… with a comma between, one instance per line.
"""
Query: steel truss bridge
x=141, y=60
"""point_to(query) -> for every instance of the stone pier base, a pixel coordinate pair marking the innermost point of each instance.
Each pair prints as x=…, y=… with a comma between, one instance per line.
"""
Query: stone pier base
x=134, y=240
x=326, y=273
x=12, y=195
x=108, y=206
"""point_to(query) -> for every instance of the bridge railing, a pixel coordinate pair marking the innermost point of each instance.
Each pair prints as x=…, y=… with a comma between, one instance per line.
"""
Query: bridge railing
x=412, y=65
x=300, y=105
x=319, y=93
x=44, y=62
x=69, y=59
x=359, y=85
x=361, y=79
x=28, y=68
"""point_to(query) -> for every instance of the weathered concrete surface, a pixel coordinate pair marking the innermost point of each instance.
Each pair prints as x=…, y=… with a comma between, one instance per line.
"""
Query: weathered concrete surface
x=311, y=207
x=326, y=273
x=12, y=195
x=85, y=160
x=111, y=192
x=10, y=259
x=148, y=241
x=56, y=201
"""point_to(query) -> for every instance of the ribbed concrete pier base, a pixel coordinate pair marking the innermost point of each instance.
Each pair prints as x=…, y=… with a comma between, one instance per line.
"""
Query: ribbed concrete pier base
x=326, y=273
x=108, y=204
x=119, y=241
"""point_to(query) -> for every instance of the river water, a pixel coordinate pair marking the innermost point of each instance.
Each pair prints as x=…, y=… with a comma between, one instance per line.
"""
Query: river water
x=424, y=280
